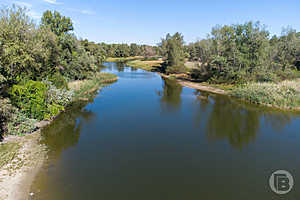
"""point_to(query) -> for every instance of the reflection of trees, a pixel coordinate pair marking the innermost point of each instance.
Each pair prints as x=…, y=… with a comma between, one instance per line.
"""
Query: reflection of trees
x=240, y=122
x=64, y=131
x=133, y=69
x=120, y=66
x=278, y=121
x=229, y=121
x=171, y=95
x=203, y=104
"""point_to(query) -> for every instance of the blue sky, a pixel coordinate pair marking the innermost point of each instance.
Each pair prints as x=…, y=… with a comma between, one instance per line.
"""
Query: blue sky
x=145, y=22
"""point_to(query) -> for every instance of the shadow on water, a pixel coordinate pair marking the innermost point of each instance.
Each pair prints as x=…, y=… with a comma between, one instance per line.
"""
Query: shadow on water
x=236, y=121
x=170, y=95
x=64, y=131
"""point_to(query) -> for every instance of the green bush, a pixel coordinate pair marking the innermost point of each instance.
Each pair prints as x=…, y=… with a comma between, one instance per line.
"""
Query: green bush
x=12, y=121
x=58, y=80
x=31, y=98
x=20, y=124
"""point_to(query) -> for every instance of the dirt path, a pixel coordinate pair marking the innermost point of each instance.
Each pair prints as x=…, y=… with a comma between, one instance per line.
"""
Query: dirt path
x=25, y=158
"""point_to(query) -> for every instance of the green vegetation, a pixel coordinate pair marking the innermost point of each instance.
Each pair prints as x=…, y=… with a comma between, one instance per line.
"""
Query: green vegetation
x=8, y=152
x=85, y=89
x=146, y=65
x=132, y=50
x=244, y=53
x=125, y=59
x=242, y=59
x=285, y=94
x=172, y=49
x=37, y=61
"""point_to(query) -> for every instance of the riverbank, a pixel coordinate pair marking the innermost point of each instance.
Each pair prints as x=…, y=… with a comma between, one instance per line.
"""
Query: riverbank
x=22, y=155
x=21, y=159
x=283, y=95
x=123, y=59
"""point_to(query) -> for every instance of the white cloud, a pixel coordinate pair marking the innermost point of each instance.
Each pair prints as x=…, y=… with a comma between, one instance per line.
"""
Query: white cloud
x=53, y=2
x=23, y=4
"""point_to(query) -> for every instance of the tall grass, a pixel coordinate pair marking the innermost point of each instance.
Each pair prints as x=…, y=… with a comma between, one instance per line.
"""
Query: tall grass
x=84, y=89
x=285, y=94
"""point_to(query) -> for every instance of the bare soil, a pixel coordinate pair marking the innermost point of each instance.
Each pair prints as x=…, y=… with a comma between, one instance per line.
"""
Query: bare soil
x=24, y=157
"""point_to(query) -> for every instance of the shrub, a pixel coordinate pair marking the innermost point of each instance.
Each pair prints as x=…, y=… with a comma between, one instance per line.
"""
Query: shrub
x=31, y=98
x=12, y=121
x=59, y=96
x=58, y=80
x=20, y=124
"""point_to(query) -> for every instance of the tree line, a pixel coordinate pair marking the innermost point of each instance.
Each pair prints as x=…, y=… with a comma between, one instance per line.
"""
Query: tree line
x=128, y=50
x=236, y=53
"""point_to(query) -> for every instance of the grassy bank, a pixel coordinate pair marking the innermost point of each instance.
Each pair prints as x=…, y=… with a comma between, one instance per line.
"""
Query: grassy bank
x=19, y=122
x=84, y=89
x=123, y=59
x=284, y=95
x=148, y=65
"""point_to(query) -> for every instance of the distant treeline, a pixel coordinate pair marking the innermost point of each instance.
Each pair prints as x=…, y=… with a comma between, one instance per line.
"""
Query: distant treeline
x=237, y=53
x=125, y=50
x=230, y=54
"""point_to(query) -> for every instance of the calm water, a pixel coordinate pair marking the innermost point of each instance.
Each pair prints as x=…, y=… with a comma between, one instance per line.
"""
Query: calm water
x=146, y=138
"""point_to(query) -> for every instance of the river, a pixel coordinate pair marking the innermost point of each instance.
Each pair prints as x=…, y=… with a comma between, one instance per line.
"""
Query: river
x=147, y=138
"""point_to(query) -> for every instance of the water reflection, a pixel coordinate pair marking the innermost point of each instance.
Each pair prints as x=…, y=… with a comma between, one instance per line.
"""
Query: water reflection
x=170, y=95
x=132, y=151
x=120, y=67
x=235, y=123
x=64, y=132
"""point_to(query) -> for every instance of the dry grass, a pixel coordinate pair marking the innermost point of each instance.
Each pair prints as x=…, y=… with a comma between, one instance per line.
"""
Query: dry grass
x=149, y=65
x=285, y=94
x=123, y=59
x=84, y=89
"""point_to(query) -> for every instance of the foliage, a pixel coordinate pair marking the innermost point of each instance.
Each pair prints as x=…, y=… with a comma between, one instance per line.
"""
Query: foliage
x=36, y=64
x=148, y=65
x=16, y=43
x=87, y=88
x=285, y=94
x=174, y=52
x=12, y=121
x=125, y=50
x=32, y=98
x=243, y=52
x=20, y=124
x=58, y=96
x=58, y=24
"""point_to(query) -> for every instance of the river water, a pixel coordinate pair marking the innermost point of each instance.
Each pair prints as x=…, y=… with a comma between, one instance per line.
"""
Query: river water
x=147, y=138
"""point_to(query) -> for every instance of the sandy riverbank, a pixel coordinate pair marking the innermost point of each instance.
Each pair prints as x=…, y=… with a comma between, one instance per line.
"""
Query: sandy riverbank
x=24, y=161
x=197, y=86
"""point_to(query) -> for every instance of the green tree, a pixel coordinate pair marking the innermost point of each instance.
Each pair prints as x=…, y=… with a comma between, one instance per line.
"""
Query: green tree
x=174, y=52
x=56, y=22
x=134, y=50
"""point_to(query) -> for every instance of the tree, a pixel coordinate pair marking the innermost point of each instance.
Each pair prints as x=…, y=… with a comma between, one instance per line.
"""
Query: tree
x=174, y=52
x=134, y=50
x=57, y=23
